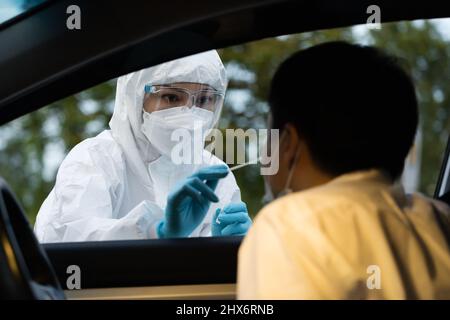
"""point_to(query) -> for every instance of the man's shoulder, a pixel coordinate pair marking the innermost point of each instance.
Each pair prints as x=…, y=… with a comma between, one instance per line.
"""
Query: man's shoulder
x=312, y=199
x=316, y=207
x=425, y=205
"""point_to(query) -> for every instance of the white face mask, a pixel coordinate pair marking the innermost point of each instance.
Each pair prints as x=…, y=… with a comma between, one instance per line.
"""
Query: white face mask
x=269, y=195
x=159, y=126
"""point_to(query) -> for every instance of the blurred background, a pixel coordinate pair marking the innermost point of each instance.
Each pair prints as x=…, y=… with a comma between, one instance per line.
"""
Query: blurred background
x=32, y=147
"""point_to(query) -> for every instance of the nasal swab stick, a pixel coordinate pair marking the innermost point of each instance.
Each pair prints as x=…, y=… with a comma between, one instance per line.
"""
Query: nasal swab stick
x=238, y=167
x=245, y=164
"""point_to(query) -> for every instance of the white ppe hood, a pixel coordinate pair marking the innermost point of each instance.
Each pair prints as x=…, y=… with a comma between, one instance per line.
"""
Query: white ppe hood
x=204, y=68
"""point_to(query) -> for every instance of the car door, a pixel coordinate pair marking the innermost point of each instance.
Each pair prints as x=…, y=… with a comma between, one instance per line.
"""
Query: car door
x=116, y=39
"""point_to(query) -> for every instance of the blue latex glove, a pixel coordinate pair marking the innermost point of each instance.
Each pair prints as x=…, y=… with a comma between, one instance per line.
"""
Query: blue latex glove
x=233, y=220
x=189, y=202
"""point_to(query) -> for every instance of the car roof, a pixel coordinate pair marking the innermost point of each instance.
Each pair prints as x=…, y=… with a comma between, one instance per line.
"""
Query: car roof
x=43, y=61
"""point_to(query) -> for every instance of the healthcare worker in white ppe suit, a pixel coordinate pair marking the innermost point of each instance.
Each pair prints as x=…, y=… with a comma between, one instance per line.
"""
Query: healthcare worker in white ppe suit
x=125, y=184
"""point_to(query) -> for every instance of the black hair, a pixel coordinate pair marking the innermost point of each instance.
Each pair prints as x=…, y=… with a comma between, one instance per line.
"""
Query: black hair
x=354, y=105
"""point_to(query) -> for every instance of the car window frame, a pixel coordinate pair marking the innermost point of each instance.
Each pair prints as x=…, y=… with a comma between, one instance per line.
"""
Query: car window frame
x=70, y=80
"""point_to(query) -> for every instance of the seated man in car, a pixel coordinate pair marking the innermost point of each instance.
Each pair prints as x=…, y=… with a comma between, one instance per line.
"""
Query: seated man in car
x=344, y=228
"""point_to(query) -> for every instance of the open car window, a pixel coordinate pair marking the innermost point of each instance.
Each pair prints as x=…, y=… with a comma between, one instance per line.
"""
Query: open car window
x=34, y=146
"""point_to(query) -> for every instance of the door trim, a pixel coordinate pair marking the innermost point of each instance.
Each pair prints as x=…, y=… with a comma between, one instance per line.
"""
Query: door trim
x=225, y=291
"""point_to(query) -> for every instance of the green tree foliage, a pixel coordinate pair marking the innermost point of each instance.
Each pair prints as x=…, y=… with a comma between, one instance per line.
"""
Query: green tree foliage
x=425, y=54
x=32, y=147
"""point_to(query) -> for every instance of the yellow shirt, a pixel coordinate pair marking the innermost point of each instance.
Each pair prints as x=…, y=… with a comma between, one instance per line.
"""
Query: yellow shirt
x=356, y=237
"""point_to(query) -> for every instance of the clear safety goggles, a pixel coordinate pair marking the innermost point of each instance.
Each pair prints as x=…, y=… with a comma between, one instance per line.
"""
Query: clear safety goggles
x=161, y=97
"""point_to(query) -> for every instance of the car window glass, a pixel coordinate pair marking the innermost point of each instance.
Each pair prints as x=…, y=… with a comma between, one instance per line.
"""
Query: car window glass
x=34, y=146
